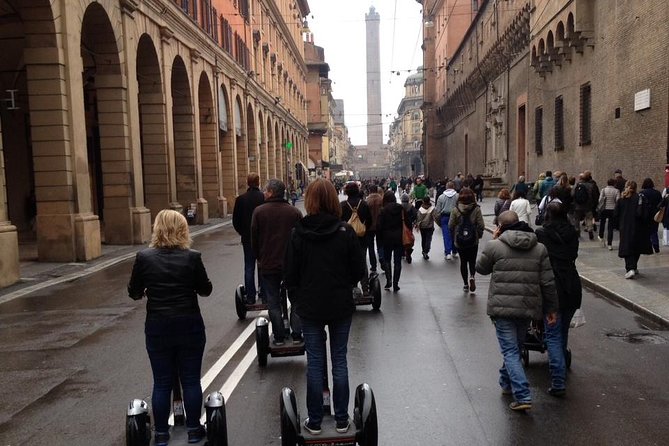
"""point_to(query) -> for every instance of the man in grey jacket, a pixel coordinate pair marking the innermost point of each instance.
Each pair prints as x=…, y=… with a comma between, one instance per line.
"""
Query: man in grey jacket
x=445, y=204
x=522, y=288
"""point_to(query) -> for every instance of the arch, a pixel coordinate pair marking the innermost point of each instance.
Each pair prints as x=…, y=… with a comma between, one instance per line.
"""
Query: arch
x=242, y=149
x=208, y=153
x=271, y=150
x=109, y=155
x=541, y=48
x=152, y=126
x=183, y=134
x=559, y=31
x=252, y=138
x=550, y=42
x=226, y=145
x=262, y=146
x=570, y=26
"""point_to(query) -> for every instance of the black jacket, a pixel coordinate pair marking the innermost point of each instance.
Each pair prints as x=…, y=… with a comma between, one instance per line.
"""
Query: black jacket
x=561, y=240
x=634, y=233
x=245, y=204
x=171, y=279
x=323, y=263
x=389, y=226
x=271, y=226
x=364, y=213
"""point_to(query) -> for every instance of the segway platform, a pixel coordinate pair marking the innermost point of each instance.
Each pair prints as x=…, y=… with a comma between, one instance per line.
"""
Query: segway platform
x=265, y=348
x=374, y=296
x=242, y=307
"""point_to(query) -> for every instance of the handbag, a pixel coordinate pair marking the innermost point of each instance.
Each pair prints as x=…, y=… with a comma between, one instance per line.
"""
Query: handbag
x=407, y=235
x=659, y=215
x=601, y=205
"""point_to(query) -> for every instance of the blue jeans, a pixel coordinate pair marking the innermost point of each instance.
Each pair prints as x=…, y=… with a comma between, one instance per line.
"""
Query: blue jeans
x=172, y=349
x=250, y=274
x=272, y=285
x=449, y=247
x=314, y=343
x=556, y=348
x=511, y=335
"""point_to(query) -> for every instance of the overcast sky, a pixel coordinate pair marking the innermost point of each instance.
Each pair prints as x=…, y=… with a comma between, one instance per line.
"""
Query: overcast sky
x=339, y=27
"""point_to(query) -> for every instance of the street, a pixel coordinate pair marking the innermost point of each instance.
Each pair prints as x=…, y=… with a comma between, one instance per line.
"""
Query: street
x=73, y=356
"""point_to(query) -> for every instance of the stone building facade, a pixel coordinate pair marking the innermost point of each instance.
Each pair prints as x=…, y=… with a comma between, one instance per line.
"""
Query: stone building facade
x=406, y=131
x=566, y=85
x=116, y=109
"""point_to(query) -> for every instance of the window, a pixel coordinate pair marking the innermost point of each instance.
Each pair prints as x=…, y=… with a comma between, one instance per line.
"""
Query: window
x=559, y=124
x=538, y=130
x=585, y=124
x=226, y=35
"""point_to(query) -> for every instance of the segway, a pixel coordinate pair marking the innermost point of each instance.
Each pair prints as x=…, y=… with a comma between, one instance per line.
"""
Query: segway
x=366, y=431
x=265, y=348
x=138, y=423
x=374, y=296
x=242, y=307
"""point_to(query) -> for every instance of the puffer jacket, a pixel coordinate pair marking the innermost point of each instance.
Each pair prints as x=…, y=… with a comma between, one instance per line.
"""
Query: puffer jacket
x=522, y=285
x=170, y=279
x=323, y=262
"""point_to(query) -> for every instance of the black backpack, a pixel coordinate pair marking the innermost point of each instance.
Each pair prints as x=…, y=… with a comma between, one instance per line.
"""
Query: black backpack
x=465, y=233
x=581, y=195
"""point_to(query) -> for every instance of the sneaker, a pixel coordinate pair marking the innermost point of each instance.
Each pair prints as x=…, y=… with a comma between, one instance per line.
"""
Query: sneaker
x=472, y=284
x=465, y=288
x=387, y=286
x=455, y=255
x=601, y=241
x=197, y=434
x=520, y=405
x=278, y=342
x=161, y=438
x=342, y=426
x=313, y=429
x=449, y=257
x=557, y=392
x=299, y=340
x=629, y=274
x=610, y=248
x=396, y=288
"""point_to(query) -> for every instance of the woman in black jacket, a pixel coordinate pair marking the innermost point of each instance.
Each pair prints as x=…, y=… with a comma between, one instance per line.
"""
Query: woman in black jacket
x=634, y=230
x=323, y=263
x=560, y=237
x=171, y=275
x=389, y=231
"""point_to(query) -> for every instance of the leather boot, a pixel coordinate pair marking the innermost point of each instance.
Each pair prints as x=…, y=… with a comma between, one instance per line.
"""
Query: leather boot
x=396, y=278
x=389, y=277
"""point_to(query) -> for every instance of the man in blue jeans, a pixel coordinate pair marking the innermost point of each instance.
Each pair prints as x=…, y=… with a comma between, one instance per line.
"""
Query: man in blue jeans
x=271, y=226
x=245, y=204
x=445, y=204
x=522, y=288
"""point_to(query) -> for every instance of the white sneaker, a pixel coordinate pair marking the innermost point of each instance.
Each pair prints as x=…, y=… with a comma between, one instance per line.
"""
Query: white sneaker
x=455, y=255
x=630, y=274
x=449, y=257
x=610, y=248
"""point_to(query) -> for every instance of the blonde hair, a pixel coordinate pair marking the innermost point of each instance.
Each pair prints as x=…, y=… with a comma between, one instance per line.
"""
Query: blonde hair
x=170, y=230
x=630, y=189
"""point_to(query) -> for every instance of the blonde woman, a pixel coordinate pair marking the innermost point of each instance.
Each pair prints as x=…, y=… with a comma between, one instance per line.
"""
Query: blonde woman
x=171, y=275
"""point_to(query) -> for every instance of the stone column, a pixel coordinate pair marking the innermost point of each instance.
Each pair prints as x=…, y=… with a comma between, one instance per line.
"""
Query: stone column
x=9, y=240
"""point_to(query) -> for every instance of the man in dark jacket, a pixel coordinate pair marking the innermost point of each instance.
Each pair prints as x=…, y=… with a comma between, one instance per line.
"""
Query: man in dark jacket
x=245, y=204
x=375, y=203
x=522, y=288
x=583, y=210
x=271, y=225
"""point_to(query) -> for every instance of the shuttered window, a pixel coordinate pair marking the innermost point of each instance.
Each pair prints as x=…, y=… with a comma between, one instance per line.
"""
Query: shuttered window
x=539, y=130
x=585, y=121
x=559, y=123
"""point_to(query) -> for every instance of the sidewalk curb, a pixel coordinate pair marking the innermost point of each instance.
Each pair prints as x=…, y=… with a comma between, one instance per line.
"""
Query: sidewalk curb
x=618, y=298
x=94, y=268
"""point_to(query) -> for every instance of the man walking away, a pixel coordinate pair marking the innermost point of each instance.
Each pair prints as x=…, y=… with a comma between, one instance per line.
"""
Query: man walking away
x=245, y=204
x=522, y=288
x=271, y=226
x=585, y=201
x=445, y=204
x=375, y=202
x=546, y=185
x=355, y=203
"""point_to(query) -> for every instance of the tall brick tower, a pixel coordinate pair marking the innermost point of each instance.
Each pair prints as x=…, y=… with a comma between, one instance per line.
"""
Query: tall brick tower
x=374, y=121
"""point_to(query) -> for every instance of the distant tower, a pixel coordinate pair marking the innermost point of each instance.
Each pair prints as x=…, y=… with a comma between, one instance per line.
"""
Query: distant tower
x=374, y=121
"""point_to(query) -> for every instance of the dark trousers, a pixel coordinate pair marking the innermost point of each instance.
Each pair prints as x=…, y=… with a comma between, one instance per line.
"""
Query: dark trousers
x=393, y=273
x=370, y=237
x=272, y=284
x=604, y=216
x=631, y=262
x=426, y=239
x=467, y=262
x=175, y=350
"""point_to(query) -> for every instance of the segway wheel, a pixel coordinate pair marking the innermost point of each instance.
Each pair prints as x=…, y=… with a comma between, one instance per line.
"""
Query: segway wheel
x=375, y=290
x=240, y=302
x=137, y=424
x=567, y=358
x=525, y=355
x=262, y=341
x=217, y=428
x=289, y=417
x=364, y=416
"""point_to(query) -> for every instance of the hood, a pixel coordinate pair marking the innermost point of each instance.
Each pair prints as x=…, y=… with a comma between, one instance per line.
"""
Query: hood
x=424, y=210
x=318, y=226
x=519, y=236
x=560, y=231
x=466, y=208
x=450, y=192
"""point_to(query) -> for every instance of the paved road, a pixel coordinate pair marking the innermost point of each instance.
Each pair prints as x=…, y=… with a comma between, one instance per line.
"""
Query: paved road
x=73, y=355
